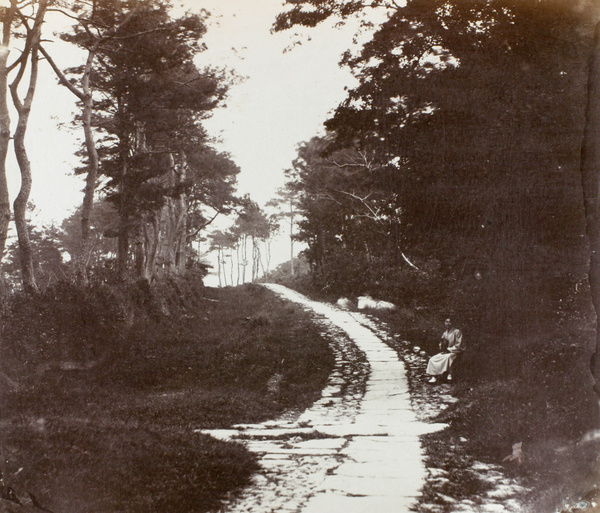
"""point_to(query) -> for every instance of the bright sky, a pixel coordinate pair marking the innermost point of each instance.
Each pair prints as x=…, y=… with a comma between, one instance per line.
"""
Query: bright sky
x=286, y=96
x=283, y=100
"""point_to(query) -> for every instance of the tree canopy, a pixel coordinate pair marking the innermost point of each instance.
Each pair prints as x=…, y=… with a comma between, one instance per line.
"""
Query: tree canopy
x=468, y=120
x=149, y=102
x=143, y=98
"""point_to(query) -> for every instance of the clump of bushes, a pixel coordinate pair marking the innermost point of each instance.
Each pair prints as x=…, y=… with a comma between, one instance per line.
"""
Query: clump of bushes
x=69, y=323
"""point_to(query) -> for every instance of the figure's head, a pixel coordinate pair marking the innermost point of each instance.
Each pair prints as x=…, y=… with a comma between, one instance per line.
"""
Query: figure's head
x=448, y=323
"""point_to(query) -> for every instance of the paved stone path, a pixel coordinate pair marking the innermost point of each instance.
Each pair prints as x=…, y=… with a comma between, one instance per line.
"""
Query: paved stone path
x=356, y=450
x=503, y=494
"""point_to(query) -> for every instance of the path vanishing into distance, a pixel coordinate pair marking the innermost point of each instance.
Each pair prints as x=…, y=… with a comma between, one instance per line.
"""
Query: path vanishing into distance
x=357, y=449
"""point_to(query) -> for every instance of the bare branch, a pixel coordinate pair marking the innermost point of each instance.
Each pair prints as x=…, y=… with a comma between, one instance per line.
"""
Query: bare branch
x=18, y=61
x=329, y=196
x=79, y=19
x=192, y=235
x=31, y=41
x=409, y=262
x=7, y=22
x=137, y=34
x=61, y=76
x=374, y=213
x=362, y=162
x=337, y=164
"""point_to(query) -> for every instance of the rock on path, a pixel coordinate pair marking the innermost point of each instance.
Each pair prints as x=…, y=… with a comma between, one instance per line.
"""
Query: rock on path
x=356, y=450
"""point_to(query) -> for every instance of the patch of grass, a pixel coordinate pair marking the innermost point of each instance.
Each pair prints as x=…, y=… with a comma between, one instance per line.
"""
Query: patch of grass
x=111, y=428
x=74, y=465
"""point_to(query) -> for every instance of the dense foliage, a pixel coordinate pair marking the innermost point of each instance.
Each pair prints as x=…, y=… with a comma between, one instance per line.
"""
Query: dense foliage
x=154, y=149
x=449, y=183
x=143, y=99
x=457, y=154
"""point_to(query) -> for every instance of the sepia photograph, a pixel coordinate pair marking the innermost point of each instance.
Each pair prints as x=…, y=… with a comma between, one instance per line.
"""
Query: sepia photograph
x=300, y=256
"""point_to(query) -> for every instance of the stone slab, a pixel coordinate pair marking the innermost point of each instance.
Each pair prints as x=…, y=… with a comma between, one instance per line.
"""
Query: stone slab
x=334, y=503
x=324, y=443
x=398, y=486
x=385, y=468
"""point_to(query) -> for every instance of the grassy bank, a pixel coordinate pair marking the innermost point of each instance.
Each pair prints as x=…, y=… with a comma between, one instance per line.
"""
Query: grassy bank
x=103, y=388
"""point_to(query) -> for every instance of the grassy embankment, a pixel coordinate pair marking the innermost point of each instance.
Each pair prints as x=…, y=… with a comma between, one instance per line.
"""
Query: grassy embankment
x=526, y=383
x=103, y=388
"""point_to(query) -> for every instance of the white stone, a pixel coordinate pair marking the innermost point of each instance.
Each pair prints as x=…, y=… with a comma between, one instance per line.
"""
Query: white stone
x=374, y=486
x=330, y=444
x=344, y=302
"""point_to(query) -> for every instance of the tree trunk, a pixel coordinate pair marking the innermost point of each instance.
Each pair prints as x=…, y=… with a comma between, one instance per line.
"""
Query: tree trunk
x=291, y=238
x=181, y=203
x=20, y=208
x=123, y=237
x=85, y=244
x=223, y=265
x=259, y=266
x=254, y=261
x=4, y=125
x=140, y=260
x=147, y=247
x=244, y=257
x=219, y=258
x=152, y=244
x=237, y=257
x=172, y=232
x=82, y=257
x=23, y=110
x=122, y=248
x=590, y=176
x=268, y=255
x=169, y=217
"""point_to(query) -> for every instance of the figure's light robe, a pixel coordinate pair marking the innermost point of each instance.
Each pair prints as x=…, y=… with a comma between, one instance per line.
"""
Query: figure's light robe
x=441, y=362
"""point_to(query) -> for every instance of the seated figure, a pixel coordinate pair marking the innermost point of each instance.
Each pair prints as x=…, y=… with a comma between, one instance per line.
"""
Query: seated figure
x=451, y=346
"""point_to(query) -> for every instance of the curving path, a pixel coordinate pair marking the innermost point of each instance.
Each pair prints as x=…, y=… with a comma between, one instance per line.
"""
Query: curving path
x=357, y=449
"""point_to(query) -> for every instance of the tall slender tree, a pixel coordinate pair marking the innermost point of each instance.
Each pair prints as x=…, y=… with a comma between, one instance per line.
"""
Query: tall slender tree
x=97, y=25
x=151, y=102
x=8, y=15
x=286, y=201
x=252, y=224
x=29, y=61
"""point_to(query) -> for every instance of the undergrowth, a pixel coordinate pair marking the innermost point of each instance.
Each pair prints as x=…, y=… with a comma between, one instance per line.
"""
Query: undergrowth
x=102, y=390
